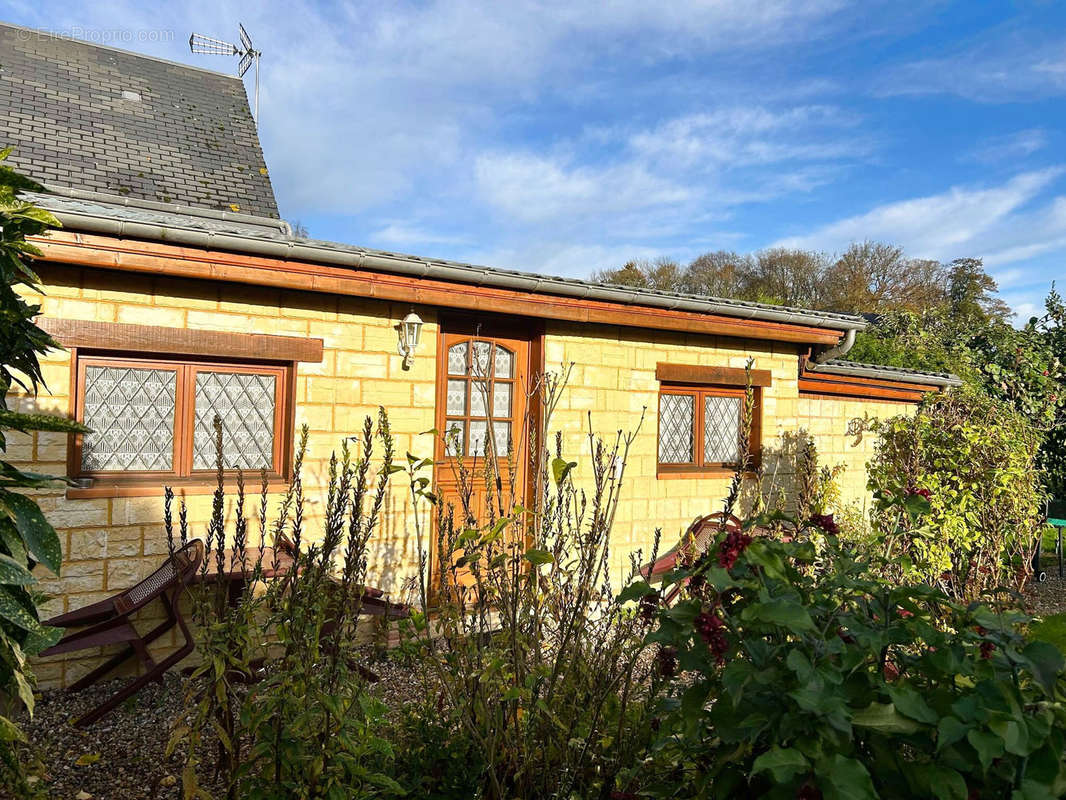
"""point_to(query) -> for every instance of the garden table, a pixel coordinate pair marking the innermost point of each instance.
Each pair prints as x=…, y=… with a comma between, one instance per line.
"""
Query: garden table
x=1059, y=525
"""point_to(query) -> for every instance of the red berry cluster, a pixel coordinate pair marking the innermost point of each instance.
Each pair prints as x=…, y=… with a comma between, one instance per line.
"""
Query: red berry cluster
x=649, y=604
x=666, y=660
x=712, y=630
x=920, y=492
x=987, y=649
x=735, y=543
x=826, y=523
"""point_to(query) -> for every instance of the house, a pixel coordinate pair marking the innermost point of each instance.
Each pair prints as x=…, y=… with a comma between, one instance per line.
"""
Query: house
x=179, y=294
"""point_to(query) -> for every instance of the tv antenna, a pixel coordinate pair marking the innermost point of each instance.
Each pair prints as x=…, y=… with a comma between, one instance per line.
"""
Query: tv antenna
x=207, y=45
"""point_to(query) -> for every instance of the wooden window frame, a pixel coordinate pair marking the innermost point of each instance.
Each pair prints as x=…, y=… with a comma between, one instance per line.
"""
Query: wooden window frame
x=698, y=467
x=182, y=476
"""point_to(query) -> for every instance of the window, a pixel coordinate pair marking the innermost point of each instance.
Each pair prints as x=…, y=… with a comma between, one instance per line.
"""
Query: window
x=700, y=429
x=480, y=397
x=154, y=419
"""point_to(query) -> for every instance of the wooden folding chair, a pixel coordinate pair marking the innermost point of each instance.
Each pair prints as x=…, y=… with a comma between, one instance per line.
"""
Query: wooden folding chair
x=108, y=622
x=693, y=544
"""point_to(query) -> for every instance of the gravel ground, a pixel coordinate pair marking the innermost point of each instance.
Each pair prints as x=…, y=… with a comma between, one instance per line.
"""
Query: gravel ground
x=122, y=757
x=1048, y=597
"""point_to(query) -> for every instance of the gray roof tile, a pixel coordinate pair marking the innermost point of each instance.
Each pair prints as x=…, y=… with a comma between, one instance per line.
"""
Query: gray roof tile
x=190, y=139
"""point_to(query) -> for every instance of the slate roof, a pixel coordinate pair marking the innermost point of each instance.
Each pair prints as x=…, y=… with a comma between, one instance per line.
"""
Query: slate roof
x=93, y=117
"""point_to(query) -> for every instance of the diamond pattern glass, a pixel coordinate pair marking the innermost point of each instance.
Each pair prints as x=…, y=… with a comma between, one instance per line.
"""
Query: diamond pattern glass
x=501, y=432
x=453, y=436
x=676, y=421
x=480, y=362
x=457, y=359
x=456, y=396
x=504, y=360
x=475, y=446
x=501, y=400
x=131, y=412
x=246, y=403
x=479, y=391
x=721, y=430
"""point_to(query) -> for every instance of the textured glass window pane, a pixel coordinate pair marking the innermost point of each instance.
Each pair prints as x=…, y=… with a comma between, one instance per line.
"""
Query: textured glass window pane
x=504, y=362
x=478, y=398
x=457, y=359
x=721, y=430
x=131, y=412
x=456, y=397
x=501, y=400
x=475, y=446
x=453, y=436
x=676, y=421
x=245, y=402
x=480, y=364
x=501, y=432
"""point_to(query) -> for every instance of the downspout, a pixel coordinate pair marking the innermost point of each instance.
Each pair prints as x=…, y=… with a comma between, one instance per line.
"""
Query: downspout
x=838, y=350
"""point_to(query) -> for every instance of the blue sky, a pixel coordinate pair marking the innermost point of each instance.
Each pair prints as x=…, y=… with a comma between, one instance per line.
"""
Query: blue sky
x=564, y=137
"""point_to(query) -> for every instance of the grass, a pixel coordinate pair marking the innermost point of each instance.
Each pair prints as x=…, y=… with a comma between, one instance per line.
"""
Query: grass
x=1052, y=629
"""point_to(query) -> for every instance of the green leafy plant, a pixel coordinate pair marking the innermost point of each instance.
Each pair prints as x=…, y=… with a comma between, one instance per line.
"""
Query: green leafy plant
x=958, y=494
x=807, y=682
x=306, y=727
x=26, y=537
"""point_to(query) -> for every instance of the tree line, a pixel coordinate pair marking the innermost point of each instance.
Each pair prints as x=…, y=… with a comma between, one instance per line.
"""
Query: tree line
x=868, y=278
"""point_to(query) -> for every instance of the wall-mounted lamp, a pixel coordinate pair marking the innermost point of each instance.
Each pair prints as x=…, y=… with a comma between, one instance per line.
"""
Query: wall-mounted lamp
x=410, y=333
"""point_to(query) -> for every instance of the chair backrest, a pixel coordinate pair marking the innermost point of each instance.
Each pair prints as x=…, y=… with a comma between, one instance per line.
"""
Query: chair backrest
x=701, y=533
x=176, y=570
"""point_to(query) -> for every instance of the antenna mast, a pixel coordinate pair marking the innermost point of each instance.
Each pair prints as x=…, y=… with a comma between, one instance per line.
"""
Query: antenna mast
x=208, y=45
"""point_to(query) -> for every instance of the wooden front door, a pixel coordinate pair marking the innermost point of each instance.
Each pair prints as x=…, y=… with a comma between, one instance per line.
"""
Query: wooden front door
x=483, y=392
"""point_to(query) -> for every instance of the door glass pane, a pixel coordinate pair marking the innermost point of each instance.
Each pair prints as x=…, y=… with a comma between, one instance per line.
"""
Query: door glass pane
x=475, y=446
x=245, y=402
x=504, y=360
x=676, y=421
x=501, y=400
x=453, y=436
x=457, y=359
x=478, y=398
x=721, y=430
x=501, y=432
x=480, y=362
x=456, y=397
x=131, y=412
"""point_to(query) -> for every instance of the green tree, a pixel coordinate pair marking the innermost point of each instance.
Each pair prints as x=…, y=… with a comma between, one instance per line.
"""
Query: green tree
x=972, y=293
x=26, y=537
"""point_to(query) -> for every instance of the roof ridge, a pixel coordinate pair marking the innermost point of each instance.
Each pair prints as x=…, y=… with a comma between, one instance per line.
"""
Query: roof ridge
x=53, y=34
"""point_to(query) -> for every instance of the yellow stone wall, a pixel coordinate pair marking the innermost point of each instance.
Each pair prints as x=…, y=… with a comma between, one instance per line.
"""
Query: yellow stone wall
x=110, y=543
x=826, y=419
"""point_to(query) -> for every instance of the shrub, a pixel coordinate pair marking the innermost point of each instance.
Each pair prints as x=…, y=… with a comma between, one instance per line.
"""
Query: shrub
x=529, y=664
x=957, y=492
x=26, y=537
x=307, y=728
x=811, y=683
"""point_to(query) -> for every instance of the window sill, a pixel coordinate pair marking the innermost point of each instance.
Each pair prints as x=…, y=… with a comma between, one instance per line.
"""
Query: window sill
x=668, y=473
x=104, y=489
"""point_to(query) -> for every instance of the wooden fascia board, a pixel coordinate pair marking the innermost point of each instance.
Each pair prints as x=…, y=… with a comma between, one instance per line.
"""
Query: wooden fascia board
x=119, y=336
x=710, y=376
x=165, y=259
x=864, y=389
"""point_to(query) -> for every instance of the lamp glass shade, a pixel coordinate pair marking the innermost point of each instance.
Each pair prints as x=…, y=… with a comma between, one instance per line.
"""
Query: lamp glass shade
x=412, y=330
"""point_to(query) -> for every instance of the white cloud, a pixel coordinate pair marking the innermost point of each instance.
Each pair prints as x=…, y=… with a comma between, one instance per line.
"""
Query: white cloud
x=1002, y=64
x=1012, y=147
x=939, y=226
